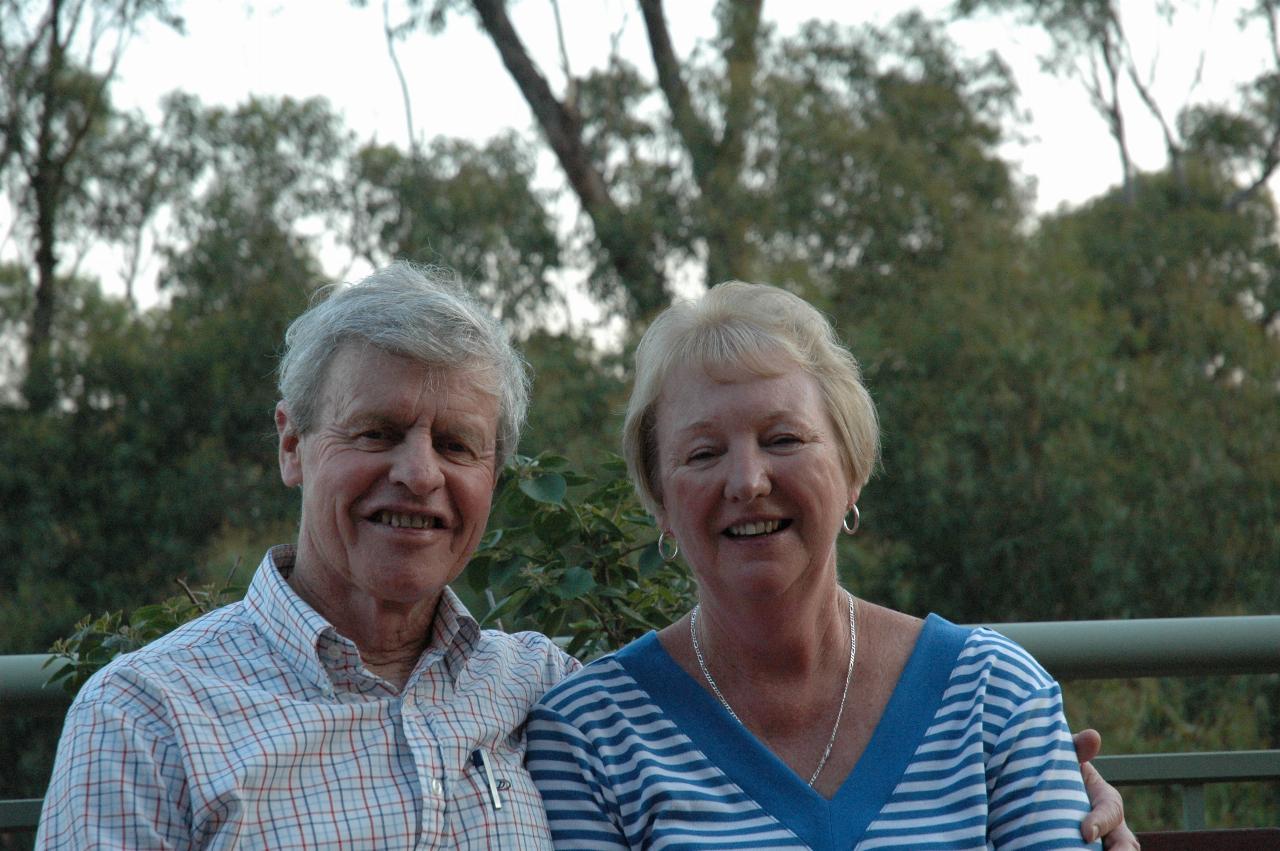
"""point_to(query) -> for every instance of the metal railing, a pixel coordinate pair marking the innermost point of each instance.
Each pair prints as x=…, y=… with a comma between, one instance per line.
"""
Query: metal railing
x=1070, y=650
x=1164, y=647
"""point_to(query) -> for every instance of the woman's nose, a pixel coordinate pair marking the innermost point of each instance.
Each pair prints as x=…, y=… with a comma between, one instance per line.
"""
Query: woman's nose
x=748, y=476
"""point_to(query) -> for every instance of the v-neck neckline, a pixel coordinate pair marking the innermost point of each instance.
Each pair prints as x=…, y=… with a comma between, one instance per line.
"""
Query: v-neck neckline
x=786, y=796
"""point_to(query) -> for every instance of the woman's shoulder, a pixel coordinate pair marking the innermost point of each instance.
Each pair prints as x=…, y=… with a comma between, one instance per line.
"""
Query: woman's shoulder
x=602, y=680
x=970, y=652
x=1005, y=657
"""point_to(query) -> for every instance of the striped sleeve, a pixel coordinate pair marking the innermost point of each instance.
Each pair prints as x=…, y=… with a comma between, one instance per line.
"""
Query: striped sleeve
x=1035, y=793
x=581, y=809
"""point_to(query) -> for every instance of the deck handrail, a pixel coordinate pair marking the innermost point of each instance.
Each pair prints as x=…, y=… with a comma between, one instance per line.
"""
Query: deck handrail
x=1070, y=650
x=1152, y=647
x=24, y=687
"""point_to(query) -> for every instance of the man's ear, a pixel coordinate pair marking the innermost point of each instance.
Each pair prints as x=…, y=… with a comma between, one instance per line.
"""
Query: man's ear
x=290, y=448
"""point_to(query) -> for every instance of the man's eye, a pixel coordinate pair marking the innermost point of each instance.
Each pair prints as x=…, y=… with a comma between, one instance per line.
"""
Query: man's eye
x=453, y=447
x=701, y=455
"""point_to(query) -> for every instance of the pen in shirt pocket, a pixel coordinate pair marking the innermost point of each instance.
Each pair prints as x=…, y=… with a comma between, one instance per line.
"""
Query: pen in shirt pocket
x=481, y=761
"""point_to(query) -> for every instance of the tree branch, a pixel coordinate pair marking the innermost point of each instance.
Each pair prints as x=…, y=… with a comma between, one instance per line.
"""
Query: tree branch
x=631, y=254
x=390, y=34
x=562, y=127
x=694, y=132
x=1270, y=161
x=717, y=164
x=1271, y=156
x=729, y=255
x=564, y=48
x=1106, y=99
x=1125, y=51
x=743, y=60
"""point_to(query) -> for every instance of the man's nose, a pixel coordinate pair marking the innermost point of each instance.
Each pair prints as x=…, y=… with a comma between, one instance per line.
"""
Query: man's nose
x=417, y=465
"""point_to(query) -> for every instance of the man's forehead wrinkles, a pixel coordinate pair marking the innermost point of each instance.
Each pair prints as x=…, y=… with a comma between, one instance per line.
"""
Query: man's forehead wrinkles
x=436, y=414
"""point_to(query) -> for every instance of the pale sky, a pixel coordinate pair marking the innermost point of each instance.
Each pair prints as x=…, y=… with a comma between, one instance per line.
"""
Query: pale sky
x=459, y=88
x=235, y=48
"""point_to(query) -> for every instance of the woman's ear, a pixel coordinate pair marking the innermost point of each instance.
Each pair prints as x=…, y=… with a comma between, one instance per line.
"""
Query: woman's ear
x=290, y=450
x=660, y=520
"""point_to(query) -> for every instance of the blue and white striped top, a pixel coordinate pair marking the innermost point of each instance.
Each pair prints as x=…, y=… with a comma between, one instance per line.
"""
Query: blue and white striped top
x=973, y=751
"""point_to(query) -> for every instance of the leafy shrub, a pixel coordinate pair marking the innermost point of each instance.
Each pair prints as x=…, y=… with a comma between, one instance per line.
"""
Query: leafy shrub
x=96, y=641
x=574, y=556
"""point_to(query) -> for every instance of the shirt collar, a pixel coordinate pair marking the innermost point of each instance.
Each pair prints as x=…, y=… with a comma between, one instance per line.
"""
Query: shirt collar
x=314, y=648
x=454, y=636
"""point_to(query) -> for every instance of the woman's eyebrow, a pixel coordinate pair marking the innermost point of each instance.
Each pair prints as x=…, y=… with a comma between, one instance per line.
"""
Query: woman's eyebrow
x=693, y=428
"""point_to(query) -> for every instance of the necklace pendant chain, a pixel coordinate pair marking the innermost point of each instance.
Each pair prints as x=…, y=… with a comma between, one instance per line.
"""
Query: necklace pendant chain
x=848, y=677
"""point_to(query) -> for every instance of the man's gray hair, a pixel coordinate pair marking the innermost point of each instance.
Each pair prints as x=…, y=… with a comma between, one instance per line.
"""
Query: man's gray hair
x=418, y=313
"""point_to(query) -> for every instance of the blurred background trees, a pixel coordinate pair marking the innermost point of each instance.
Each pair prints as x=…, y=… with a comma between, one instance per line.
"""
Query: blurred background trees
x=1079, y=408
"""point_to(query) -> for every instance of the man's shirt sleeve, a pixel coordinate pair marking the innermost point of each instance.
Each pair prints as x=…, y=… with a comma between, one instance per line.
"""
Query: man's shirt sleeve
x=116, y=784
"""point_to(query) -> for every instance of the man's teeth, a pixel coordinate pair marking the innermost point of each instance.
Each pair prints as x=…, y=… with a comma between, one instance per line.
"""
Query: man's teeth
x=760, y=527
x=412, y=521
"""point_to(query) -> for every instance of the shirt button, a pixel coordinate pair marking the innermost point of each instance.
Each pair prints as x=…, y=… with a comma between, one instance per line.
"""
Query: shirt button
x=437, y=787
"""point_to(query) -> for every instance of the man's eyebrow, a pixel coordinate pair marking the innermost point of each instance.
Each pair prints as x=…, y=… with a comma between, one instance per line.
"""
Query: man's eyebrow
x=473, y=432
x=365, y=419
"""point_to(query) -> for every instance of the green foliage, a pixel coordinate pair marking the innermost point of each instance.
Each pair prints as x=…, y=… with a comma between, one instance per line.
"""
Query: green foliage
x=573, y=556
x=1175, y=715
x=879, y=163
x=1081, y=425
x=96, y=641
x=578, y=396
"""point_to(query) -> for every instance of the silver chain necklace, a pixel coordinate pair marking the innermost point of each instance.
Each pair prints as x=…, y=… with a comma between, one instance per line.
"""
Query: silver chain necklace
x=848, y=677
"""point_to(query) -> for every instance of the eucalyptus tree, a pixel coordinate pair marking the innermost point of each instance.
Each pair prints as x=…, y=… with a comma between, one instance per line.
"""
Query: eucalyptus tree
x=58, y=59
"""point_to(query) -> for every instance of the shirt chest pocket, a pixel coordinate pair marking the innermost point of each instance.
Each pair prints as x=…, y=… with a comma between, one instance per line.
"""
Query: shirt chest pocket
x=505, y=814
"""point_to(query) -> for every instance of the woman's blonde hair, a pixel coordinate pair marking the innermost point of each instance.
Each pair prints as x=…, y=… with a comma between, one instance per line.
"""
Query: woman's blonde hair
x=764, y=330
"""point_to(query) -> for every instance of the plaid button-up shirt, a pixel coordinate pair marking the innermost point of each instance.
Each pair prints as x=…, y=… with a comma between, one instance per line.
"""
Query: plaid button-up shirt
x=257, y=726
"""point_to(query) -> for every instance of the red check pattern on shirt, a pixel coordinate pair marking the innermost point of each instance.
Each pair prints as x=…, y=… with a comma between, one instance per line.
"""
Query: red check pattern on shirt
x=257, y=726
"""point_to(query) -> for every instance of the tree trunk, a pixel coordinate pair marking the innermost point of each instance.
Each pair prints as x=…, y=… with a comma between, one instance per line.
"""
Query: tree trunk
x=46, y=179
x=630, y=249
x=717, y=163
x=39, y=385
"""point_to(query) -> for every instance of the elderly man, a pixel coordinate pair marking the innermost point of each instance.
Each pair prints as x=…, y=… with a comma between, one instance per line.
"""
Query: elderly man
x=350, y=700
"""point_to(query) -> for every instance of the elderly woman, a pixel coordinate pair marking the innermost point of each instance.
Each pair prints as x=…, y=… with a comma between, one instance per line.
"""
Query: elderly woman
x=783, y=711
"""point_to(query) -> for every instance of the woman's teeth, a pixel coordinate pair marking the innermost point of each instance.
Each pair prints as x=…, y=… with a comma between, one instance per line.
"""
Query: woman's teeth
x=760, y=527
